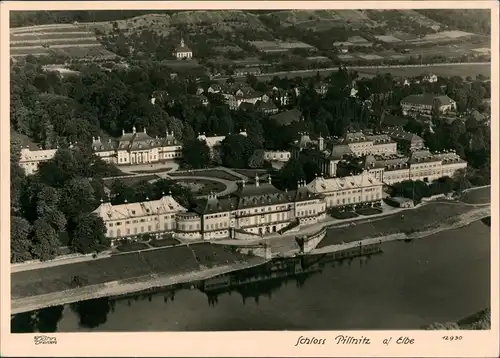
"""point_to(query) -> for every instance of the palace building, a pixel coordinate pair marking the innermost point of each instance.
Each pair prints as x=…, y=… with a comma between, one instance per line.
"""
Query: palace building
x=132, y=219
x=137, y=148
x=254, y=209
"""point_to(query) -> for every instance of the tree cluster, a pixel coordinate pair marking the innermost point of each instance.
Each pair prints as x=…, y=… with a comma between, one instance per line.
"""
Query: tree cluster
x=55, y=203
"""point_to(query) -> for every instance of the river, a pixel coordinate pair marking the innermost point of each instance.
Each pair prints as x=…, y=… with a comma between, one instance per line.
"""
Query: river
x=441, y=278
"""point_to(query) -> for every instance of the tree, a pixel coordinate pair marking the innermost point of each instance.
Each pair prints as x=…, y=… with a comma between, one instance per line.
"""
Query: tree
x=77, y=196
x=45, y=241
x=257, y=159
x=89, y=234
x=20, y=244
x=235, y=151
x=196, y=154
x=291, y=174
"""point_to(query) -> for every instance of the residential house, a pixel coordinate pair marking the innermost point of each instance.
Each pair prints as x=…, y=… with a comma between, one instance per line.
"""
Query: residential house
x=424, y=104
x=30, y=160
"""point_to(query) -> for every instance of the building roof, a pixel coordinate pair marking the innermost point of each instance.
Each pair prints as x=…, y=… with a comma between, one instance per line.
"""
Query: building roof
x=338, y=151
x=427, y=99
x=211, y=141
x=422, y=156
x=165, y=205
x=449, y=157
x=379, y=138
x=253, y=196
x=404, y=135
x=247, y=106
x=265, y=106
x=134, y=141
x=321, y=185
x=287, y=117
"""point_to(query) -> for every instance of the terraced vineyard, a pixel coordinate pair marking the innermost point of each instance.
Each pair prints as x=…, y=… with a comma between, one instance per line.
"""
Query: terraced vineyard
x=76, y=41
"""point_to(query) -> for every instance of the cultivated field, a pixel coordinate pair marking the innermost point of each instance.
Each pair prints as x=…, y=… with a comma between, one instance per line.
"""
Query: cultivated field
x=451, y=70
x=278, y=46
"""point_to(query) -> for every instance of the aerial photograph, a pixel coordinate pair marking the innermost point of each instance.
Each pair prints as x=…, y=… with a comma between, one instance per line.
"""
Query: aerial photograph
x=250, y=170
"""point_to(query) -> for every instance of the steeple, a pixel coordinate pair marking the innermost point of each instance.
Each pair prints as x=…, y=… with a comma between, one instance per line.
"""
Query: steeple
x=182, y=41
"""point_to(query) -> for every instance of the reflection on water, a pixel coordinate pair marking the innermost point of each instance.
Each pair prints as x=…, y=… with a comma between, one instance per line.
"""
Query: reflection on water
x=404, y=286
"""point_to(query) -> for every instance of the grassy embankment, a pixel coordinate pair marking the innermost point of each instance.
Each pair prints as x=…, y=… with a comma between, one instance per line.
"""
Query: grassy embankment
x=163, y=261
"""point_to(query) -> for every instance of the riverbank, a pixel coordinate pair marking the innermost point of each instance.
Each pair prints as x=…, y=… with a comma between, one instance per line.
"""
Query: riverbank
x=460, y=221
x=118, y=288
x=139, y=271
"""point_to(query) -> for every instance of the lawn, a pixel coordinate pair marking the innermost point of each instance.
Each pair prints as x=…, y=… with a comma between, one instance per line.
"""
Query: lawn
x=133, y=246
x=169, y=241
x=425, y=217
x=158, y=170
x=209, y=173
x=117, y=267
x=202, y=186
x=250, y=173
x=342, y=215
x=368, y=211
x=131, y=180
x=477, y=196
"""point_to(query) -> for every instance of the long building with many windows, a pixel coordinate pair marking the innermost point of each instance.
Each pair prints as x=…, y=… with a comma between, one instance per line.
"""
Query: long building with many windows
x=31, y=159
x=137, y=148
x=257, y=209
x=420, y=165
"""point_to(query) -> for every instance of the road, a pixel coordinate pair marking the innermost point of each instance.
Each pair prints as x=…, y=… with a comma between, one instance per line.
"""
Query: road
x=305, y=73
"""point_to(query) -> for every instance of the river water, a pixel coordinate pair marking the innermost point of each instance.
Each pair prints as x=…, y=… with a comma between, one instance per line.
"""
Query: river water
x=441, y=278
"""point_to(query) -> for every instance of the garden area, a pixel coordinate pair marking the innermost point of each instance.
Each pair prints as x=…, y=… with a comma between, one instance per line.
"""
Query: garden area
x=147, y=241
x=132, y=180
x=152, y=171
x=209, y=173
x=165, y=240
x=408, y=221
x=202, y=186
x=132, y=246
x=369, y=211
x=250, y=173
x=477, y=196
x=353, y=211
